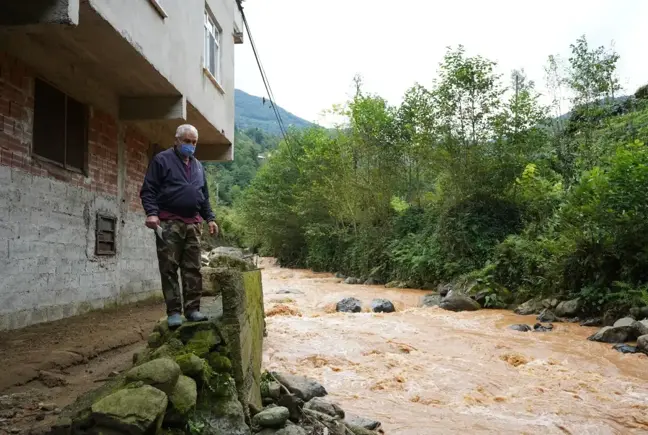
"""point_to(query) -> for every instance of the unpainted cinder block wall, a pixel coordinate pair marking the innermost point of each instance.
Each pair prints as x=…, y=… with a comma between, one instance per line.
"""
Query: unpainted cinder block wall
x=244, y=324
x=48, y=266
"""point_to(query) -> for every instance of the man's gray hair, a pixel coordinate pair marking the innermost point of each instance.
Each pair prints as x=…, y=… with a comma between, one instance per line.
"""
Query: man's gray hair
x=184, y=128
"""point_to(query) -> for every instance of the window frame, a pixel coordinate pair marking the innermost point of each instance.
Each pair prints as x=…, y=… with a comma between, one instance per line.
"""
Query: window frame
x=86, y=127
x=99, y=242
x=215, y=32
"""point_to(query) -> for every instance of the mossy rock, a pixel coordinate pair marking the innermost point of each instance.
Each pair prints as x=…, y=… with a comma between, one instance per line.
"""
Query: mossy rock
x=223, y=417
x=155, y=340
x=77, y=416
x=161, y=373
x=203, y=342
x=220, y=385
x=182, y=401
x=141, y=356
x=170, y=349
x=188, y=330
x=191, y=365
x=220, y=364
x=131, y=410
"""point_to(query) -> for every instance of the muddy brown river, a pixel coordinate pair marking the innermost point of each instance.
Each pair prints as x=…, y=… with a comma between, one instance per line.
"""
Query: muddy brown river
x=429, y=371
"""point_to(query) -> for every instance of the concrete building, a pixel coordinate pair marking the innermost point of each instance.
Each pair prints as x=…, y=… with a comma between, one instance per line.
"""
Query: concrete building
x=90, y=90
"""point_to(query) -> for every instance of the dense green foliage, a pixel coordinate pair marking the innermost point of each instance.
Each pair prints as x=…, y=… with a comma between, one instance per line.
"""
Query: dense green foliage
x=471, y=178
x=254, y=112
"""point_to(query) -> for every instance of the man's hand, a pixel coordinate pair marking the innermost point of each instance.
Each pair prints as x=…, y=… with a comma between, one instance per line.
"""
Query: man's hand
x=152, y=222
x=213, y=228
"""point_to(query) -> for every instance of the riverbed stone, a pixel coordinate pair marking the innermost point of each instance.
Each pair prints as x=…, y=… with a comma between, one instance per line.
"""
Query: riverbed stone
x=639, y=313
x=274, y=417
x=642, y=343
x=533, y=306
x=457, y=302
x=610, y=334
x=539, y=327
x=294, y=405
x=520, y=327
x=640, y=327
x=569, y=308
x=382, y=306
x=371, y=281
x=352, y=281
x=626, y=321
x=624, y=348
x=595, y=321
x=301, y=386
x=325, y=407
x=366, y=423
x=431, y=300
x=349, y=305
x=131, y=410
x=547, y=315
x=162, y=373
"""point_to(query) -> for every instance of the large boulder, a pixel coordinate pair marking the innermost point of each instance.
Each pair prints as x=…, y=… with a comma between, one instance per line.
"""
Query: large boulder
x=533, y=306
x=301, y=386
x=274, y=417
x=133, y=411
x=611, y=334
x=349, y=305
x=547, y=315
x=431, y=300
x=160, y=373
x=569, y=308
x=458, y=302
x=325, y=407
x=382, y=306
x=642, y=344
x=625, y=321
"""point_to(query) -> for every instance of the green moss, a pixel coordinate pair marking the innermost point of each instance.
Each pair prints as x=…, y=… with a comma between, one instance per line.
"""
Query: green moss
x=202, y=342
x=155, y=340
x=191, y=365
x=219, y=363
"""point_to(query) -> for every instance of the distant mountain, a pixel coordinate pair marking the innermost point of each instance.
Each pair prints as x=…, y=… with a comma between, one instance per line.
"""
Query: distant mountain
x=251, y=112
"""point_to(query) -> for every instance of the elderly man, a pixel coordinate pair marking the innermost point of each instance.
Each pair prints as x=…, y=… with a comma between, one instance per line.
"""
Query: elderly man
x=176, y=201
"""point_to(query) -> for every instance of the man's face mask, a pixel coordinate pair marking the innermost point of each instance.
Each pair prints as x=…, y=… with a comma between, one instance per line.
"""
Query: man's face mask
x=186, y=147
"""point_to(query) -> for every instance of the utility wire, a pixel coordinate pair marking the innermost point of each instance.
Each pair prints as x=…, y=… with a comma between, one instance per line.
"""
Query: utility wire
x=266, y=82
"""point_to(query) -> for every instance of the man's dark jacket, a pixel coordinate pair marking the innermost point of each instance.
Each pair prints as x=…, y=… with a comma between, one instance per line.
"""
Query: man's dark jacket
x=167, y=187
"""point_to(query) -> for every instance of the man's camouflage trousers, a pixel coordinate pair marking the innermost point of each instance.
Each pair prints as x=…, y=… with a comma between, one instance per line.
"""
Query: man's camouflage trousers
x=180, y=248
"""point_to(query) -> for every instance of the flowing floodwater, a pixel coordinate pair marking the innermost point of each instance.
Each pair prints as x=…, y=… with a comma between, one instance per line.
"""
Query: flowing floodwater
x=429, y=371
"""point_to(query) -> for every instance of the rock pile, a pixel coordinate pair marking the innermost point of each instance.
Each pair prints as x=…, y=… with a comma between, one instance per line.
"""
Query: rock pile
x=624, y=330
x=181, y=383
x=295, y=405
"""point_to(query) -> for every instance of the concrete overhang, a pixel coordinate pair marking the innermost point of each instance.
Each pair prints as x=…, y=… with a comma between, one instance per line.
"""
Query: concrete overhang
x=97, y=65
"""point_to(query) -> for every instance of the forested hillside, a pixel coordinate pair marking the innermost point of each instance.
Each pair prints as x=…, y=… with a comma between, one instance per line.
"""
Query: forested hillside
x=255, y=112
x=470, y=178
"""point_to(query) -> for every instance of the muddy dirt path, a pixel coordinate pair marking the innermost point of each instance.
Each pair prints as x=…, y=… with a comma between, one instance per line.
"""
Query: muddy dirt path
x=426, y=370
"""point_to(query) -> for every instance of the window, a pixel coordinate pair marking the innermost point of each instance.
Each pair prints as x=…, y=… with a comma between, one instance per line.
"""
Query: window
x=60, y=127
x=105, y=235
x=212, y=46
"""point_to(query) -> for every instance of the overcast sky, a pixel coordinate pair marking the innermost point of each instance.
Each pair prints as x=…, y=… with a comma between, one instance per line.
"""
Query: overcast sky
x=311, y=49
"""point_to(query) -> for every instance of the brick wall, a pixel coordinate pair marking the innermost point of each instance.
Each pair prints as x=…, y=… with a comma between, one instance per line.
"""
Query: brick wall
x=48, y=266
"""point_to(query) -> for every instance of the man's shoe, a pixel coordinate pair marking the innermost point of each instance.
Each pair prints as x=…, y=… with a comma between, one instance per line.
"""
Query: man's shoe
x=174, y=320
x=195, y=316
